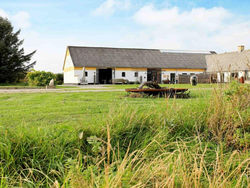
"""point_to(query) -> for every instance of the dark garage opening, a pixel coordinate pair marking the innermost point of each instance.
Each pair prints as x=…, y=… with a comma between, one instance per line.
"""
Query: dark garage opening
x=154, y=75
x=172, y=78
x=105, y=76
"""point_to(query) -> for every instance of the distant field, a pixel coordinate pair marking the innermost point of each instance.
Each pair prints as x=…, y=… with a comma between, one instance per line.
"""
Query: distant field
x=81, y=140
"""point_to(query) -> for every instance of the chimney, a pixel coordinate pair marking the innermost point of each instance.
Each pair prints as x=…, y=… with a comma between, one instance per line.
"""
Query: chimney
x=241, y=48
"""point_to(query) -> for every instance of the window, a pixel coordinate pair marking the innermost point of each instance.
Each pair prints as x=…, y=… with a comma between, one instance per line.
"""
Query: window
x=234, y=75
x=123, y=74
x=184, y=73
x=136, y=74
x=86, y=74
x=191, y=73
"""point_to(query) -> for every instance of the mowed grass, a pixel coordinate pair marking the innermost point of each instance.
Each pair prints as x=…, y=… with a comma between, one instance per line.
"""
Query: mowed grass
x=99, y=139
x=68, y=104
x=76, y=109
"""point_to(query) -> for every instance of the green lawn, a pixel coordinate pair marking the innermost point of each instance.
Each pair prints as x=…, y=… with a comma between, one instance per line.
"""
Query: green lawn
x=14, y=84
x=20, y=87
x=50, y=137
x=75, y=108
x=65, y=86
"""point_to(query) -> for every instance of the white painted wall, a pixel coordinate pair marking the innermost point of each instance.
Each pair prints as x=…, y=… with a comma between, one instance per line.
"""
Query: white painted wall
x=75, y=76
x=166, y=74
x=89, y=78
x=227, y=76
x=130, y=75
x=78, y=74
x=69, y=76
x=218, y=77
x=241, y=73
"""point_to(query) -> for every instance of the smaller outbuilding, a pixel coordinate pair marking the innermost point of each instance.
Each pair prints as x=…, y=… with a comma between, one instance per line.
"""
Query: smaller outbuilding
x=231, y=65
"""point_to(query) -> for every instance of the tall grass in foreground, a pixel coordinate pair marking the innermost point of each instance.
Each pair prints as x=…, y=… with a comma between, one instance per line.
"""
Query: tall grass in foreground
x=186, y=166
x=203, y=156
x=177, y=145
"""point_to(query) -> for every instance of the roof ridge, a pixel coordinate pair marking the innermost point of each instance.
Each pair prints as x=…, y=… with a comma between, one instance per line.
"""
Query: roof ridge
x=237, y=51
x=233, y=52
x=153, y=49
x=111, y=47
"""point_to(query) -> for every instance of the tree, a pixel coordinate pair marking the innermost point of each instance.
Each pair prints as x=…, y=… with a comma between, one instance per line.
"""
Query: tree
x=59, y=78
x=14, y=64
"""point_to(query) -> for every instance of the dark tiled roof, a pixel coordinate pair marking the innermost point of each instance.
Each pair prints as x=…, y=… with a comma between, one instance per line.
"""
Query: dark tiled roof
x=228, y=62
x=139, y=58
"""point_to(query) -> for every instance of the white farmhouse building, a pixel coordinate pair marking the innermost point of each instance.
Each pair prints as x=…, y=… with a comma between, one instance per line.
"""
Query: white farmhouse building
x=103, y=65
x=230, y=65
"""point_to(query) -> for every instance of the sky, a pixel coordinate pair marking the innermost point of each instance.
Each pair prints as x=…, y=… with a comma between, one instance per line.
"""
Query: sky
x=50, y=26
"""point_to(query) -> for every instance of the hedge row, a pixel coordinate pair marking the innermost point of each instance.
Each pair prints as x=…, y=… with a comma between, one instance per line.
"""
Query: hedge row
x=42, y=78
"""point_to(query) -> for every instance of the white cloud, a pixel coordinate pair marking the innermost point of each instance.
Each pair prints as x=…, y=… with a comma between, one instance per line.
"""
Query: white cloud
x=108, y=7
x=199, y=28
x=3, y=13
x=20, y=20
x=50, y=48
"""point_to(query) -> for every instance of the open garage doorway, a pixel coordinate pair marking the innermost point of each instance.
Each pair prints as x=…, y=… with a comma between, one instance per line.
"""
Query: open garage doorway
x=105, y=76
x=172, y=78
x=154, y=75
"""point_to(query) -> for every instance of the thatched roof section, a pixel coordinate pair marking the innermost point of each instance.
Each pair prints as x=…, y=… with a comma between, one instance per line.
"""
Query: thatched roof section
x=228, y=62
x=139, y=58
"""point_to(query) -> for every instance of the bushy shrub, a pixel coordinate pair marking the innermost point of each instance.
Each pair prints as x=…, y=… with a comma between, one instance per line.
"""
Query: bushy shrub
x=59, y=79
x=228, y=115
x=39, y=78
x=238, y=95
